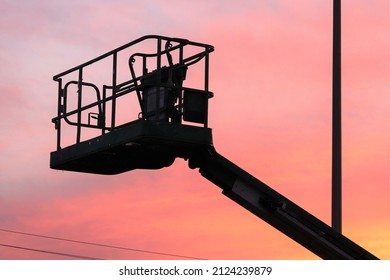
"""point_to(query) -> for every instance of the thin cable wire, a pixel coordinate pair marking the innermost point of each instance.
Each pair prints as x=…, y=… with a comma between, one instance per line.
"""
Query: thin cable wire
x=49, y=252
x=100, y=245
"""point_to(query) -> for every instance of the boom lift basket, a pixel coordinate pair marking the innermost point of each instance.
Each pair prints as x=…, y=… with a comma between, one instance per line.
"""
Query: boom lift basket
x=167, y=124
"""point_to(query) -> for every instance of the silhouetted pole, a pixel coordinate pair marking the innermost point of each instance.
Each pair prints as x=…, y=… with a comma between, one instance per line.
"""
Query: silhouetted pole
x=336, y=118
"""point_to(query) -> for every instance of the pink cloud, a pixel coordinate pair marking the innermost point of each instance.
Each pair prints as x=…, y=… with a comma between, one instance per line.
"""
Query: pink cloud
x=271, y=75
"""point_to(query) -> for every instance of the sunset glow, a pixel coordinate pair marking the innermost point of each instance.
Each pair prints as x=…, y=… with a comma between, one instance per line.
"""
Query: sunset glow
x=271, y=115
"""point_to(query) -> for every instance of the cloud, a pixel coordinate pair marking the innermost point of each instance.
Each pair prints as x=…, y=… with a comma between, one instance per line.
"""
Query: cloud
x=271, y=75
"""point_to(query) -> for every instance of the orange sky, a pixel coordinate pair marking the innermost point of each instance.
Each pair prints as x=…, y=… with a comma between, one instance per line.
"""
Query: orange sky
x=271, y=115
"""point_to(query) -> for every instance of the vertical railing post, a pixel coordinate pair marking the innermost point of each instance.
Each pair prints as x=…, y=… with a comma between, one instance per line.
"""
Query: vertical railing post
x=104, y=109
x=80, y=92
x=59, y=113
x=144, y=66
x=113, y=109
x=158, y=79
x=181, y=55
x=206, y=87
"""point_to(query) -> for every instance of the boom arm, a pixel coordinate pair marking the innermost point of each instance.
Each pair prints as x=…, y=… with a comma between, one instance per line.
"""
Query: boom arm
x=165, y=131
x=277, y=210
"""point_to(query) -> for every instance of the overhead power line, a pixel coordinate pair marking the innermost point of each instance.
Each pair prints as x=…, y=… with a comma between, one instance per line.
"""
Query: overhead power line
x=49, y=252
x=100, y=245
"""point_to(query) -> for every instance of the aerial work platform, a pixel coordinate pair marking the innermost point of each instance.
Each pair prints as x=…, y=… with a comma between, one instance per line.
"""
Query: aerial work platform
x=137, y=113
x=141, y=144
x=152, y=108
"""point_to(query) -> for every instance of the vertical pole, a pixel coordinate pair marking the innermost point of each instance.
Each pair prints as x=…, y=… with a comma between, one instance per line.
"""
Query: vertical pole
x=336, y=119
x=159, y=90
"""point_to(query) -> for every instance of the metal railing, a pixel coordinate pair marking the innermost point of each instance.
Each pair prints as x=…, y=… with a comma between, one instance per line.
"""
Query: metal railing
x=160, y=92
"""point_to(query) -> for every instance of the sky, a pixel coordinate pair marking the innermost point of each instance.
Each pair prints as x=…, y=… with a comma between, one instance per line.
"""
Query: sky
x=271, y=115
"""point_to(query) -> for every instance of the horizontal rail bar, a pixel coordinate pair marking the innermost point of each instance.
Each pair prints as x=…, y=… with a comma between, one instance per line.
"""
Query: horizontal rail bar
x=107, y=99
x=178, y=40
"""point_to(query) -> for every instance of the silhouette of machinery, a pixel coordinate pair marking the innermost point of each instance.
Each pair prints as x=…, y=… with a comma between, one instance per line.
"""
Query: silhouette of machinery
x=169, y=121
